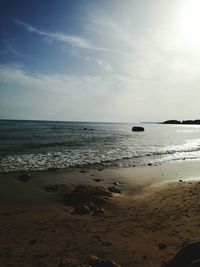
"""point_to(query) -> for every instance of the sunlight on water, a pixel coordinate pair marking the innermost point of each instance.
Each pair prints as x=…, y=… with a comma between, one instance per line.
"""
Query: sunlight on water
x=34, y=145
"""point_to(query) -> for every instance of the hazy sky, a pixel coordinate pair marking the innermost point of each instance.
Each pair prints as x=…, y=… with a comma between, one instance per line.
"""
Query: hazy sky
x=108, y=60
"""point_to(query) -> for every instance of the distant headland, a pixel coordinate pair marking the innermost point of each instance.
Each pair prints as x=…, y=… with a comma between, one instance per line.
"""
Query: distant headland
x=193, y=122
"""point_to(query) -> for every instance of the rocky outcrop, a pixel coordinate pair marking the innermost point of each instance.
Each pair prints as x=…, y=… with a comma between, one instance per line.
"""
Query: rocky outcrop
x=192, y=122
x=82, y=194
x=172, y=122
x=87, y=199
x=187, y=256
x=138, y=129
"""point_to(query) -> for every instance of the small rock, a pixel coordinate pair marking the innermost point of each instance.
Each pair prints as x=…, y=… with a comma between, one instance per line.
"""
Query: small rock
x=116, y=183
x=162, y=246
x=51, y=188
x=99, y=211
x=6, y=213
x=180, y=181
x=138, y=129
x=94, y=261
x=83, y=209
x=113, y=189
x=97, y=180
x=24, y=177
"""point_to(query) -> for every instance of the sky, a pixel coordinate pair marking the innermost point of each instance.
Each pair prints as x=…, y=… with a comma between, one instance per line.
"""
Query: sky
x=108, y=60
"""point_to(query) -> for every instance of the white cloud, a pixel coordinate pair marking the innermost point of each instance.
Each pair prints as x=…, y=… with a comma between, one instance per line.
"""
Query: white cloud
x=106, y=66
x=61, y=37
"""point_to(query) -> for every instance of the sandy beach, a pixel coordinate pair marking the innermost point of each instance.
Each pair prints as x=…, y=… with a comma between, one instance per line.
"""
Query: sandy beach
x=156, y=211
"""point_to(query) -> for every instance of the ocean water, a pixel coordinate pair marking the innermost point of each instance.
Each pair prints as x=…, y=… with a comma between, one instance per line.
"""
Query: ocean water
x=40, y=145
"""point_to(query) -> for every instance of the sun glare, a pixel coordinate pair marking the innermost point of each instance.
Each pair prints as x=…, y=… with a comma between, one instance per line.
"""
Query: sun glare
x=190, y=22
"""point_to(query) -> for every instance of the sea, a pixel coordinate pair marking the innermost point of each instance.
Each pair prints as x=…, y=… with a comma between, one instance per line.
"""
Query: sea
x=47, y=145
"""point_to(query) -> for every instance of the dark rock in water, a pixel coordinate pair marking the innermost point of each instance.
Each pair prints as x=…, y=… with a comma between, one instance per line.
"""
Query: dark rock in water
x=24, y=177
x=149, y=164
x=180, y=181
x=89, y=129
x=94, y=261
x=138, y=129
x=113, y=189
x=187, y=256
x=172, y=122
x=116, y=183
x=162, y=246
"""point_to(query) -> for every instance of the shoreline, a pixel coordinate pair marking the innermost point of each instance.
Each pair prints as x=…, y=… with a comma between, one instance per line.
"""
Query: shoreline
x=37, y=228
x=130, y=177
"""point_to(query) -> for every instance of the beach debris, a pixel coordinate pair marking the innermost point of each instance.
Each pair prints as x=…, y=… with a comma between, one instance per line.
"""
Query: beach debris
x=137, y=129
x=187, y=256
x=162, y=246
x=113, y=189
x=94, y=261
x=25, y=177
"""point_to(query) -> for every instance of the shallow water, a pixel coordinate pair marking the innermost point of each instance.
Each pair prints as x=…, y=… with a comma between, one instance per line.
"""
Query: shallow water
x=39, y=145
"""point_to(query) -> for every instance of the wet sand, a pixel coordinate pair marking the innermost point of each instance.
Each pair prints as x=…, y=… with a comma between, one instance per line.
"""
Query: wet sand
x=143, y=226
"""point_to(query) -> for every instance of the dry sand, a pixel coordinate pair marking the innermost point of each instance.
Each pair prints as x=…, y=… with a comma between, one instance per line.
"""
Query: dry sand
x=37, y=229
